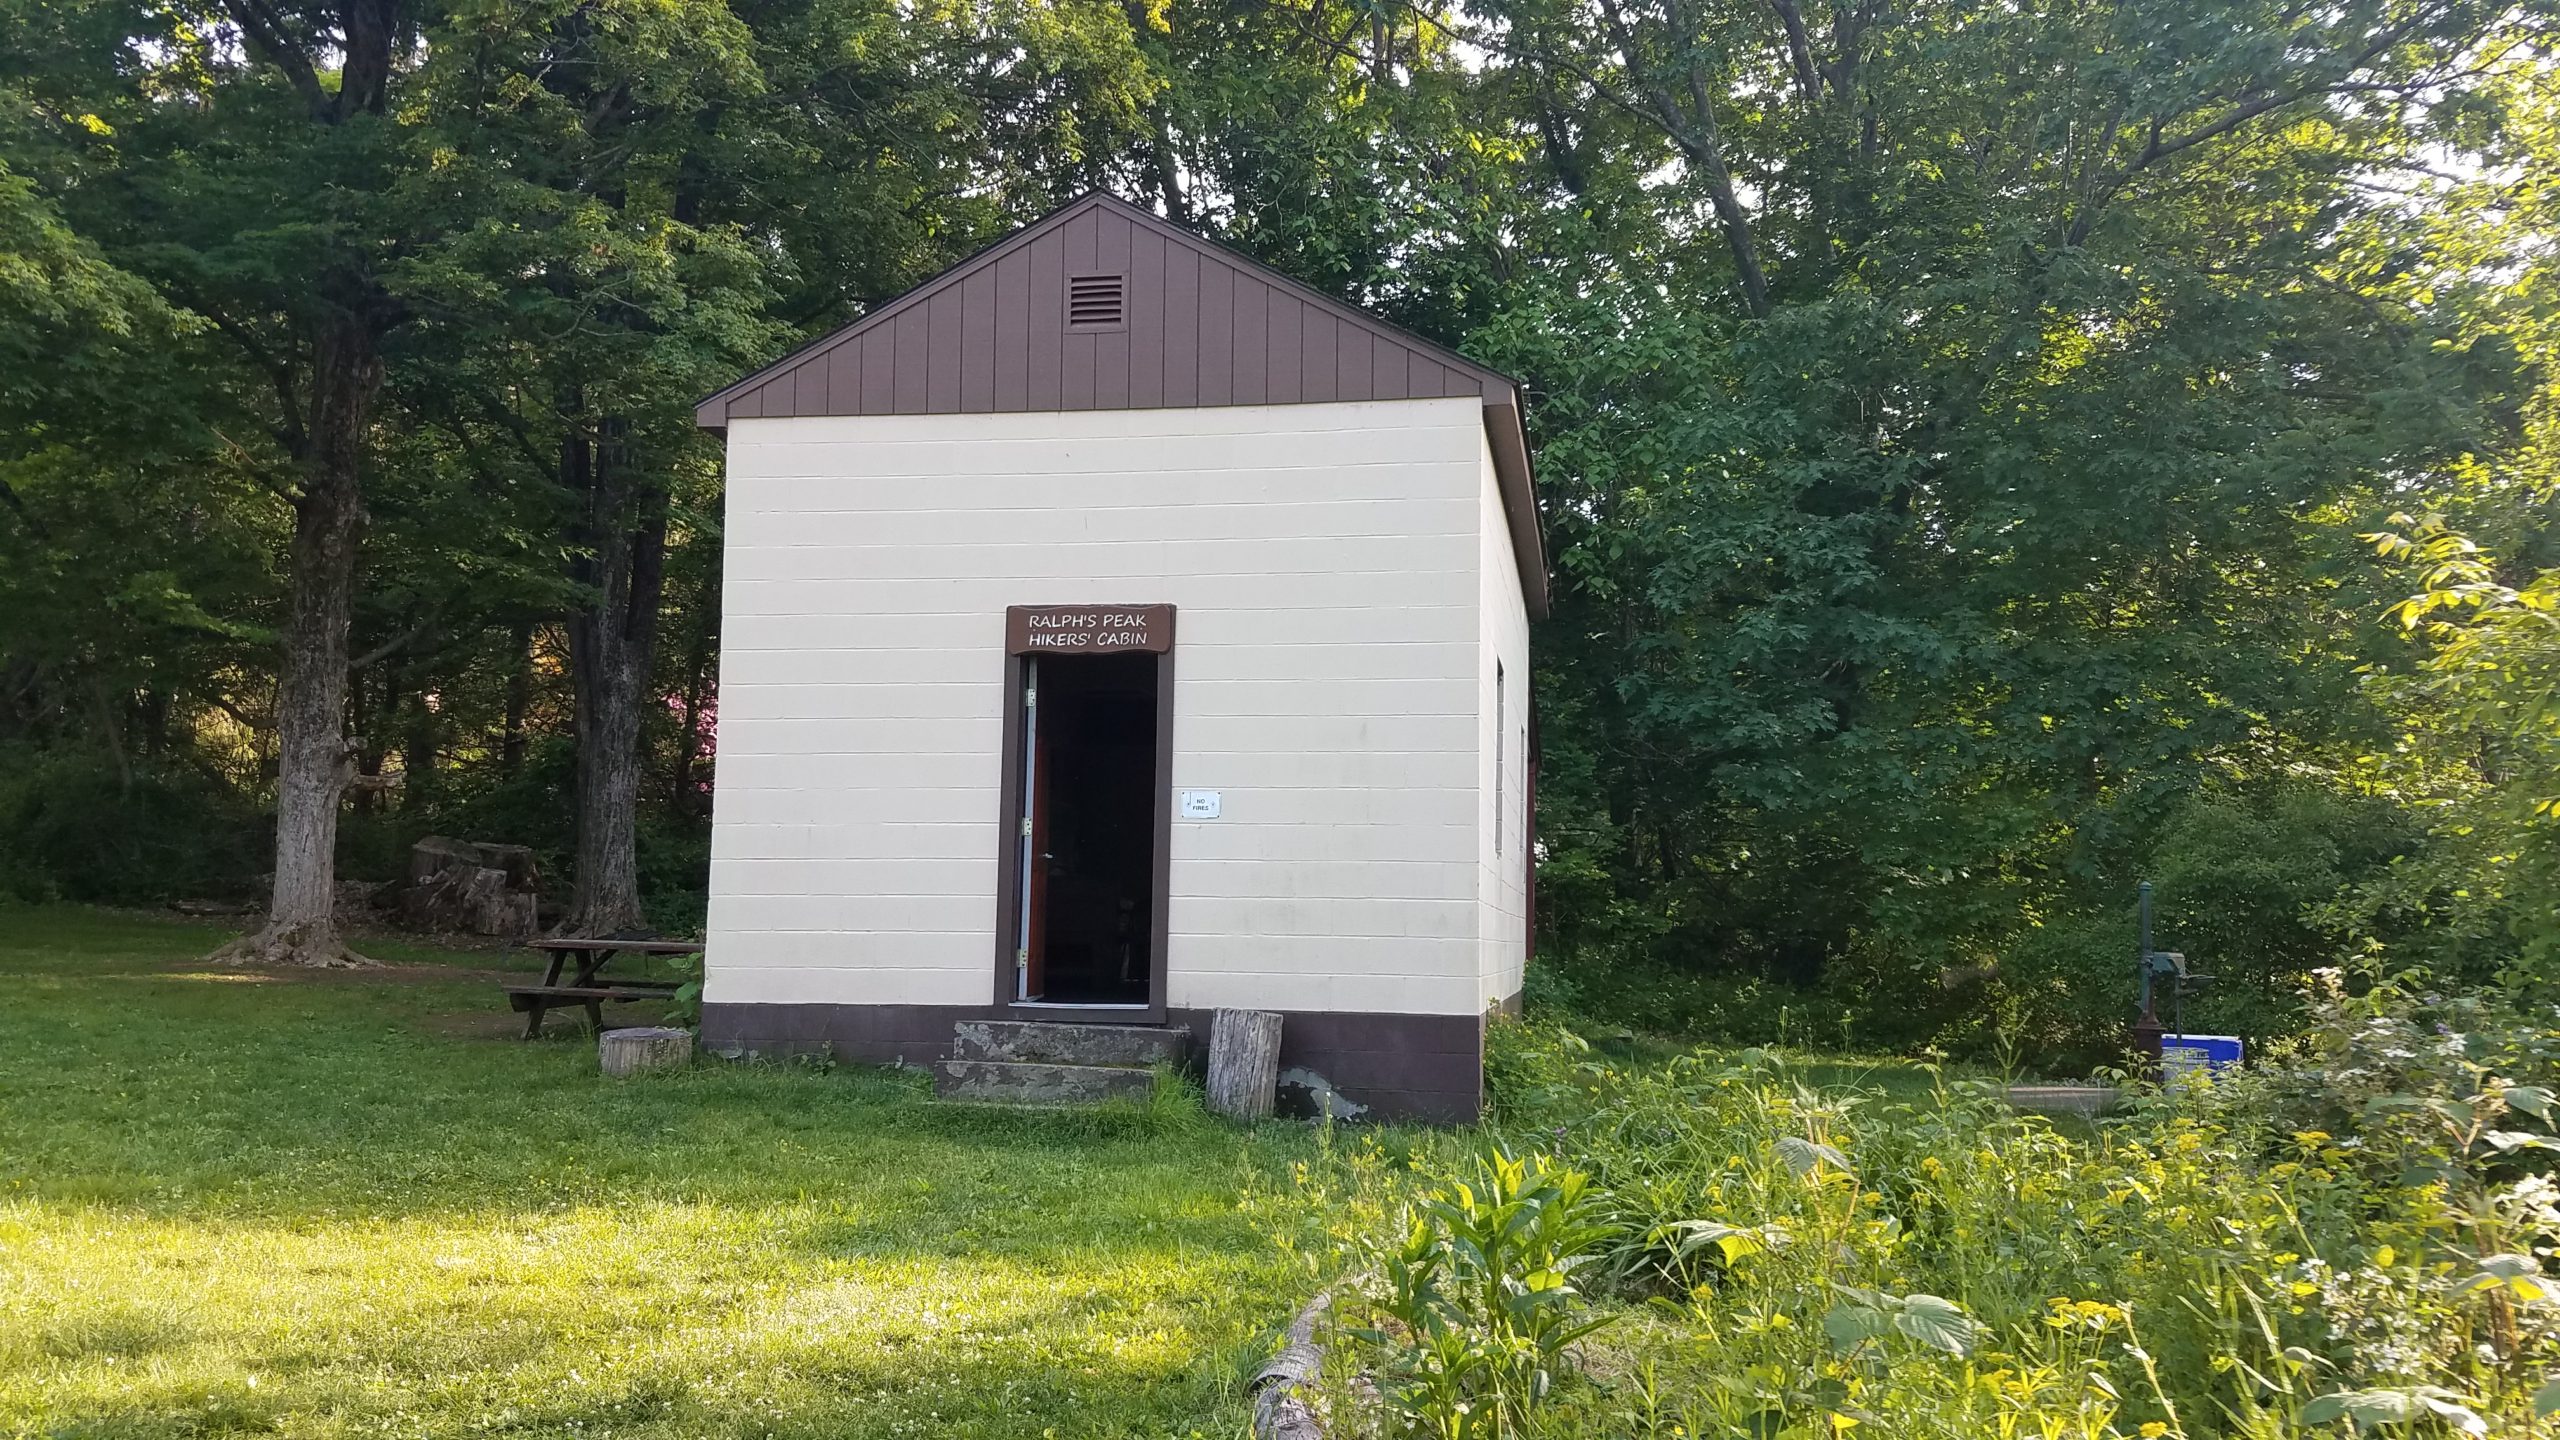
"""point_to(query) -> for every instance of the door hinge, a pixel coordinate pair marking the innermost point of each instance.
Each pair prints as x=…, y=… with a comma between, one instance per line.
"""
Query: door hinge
x=1026, y=827
x=1022, y=958
x=1030, y=696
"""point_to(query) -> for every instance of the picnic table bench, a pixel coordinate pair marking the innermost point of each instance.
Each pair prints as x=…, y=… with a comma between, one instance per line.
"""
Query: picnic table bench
x=587, y=986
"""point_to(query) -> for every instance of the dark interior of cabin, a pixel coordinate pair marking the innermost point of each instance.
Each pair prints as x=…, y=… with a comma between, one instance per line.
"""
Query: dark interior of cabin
x=1094, y=828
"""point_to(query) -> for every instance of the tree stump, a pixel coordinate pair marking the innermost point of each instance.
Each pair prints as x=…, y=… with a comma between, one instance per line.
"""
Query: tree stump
x=1244, y=1063
x=644, y=1047
x=472, y=888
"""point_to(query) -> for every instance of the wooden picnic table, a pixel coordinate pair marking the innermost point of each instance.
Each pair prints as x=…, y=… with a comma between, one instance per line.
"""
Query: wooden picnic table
x=588, y=986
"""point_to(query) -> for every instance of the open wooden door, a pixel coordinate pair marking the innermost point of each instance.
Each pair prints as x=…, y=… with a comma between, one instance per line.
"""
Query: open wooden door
x=1023, y=826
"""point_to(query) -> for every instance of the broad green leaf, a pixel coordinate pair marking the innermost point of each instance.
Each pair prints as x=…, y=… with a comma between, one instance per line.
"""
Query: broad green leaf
x=1852, y=1325
x=2497, y=1268
x=2547, y=1399
x=1809, y=1157
x=2531, y=1099
x=1936, y=1322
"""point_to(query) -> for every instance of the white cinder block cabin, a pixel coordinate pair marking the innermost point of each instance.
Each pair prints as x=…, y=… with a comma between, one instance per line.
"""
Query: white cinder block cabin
x=1113, y=631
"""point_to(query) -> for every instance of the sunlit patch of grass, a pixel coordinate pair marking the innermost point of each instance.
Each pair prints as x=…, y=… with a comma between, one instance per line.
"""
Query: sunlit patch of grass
x=313, y=1209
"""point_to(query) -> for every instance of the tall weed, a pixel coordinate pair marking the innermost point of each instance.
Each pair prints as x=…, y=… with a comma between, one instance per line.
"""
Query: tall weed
x=2352, y=1240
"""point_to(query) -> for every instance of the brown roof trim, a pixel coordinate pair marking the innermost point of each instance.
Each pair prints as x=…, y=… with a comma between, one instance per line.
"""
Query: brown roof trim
x=956, y=345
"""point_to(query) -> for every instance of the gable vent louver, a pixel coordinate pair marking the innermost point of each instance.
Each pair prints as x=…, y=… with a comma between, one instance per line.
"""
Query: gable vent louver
x=1097, y=302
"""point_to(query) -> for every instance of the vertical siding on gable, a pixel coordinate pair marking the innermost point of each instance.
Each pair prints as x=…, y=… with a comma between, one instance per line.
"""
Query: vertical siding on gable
x=1012, y=286
x=1326, y=564
x=909, y=353
x=844, y=377
x=942, y=343
x=1319, y=356
x=1252, y=333
x=1286, y=318
x=1357, y=350
x=1202, y=329
x=1181, y=325
x=809, y=388
x=1389, y=364
x=1146, y=319
x=879, y=372
x=1218, y=330
x=1078, y=385
x=1046, y=305
x=977, y=350
x=1112, y=246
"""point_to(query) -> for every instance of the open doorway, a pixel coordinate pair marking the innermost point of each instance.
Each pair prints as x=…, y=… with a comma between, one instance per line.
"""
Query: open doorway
x=1086, y=922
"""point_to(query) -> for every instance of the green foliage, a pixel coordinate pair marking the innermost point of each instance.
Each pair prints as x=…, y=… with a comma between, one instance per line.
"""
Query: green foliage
x=71, y=828
x=1947, y=486
x=1475, y=1307
x=2351, y=1236
x=2481, y=707
x=684, y=1007
x=559, y=225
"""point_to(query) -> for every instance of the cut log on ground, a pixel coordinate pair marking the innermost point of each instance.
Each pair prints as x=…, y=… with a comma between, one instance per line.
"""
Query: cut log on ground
x=1244, y=1063
x=465, y=887
x=1283, y=1404
x=643, y=1048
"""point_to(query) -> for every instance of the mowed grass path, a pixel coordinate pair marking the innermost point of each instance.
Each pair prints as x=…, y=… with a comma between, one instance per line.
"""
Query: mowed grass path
x=237, y=1203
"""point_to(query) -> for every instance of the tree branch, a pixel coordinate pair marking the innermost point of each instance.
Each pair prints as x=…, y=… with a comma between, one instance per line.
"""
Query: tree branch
x=267, y=33
x=2160, y=146
x=401, y=641
x=1799, y=50
x=279, y=373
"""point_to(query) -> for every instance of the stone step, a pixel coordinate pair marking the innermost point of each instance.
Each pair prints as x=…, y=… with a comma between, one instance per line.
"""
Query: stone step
x=1055, y=1043
x=1007, y=1082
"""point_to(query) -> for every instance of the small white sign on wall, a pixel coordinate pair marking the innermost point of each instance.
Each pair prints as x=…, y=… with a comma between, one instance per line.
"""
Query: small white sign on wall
x=1199, y=804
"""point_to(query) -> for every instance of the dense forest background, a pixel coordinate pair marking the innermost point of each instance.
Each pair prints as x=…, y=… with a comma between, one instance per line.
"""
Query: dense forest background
x=1991, y=453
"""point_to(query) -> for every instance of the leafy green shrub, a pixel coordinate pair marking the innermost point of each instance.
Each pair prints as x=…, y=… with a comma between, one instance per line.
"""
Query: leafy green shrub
x=684, y=1007
x=2259, y=883
x=2351, y=1239
x=71, y=828
x=1475, y=1306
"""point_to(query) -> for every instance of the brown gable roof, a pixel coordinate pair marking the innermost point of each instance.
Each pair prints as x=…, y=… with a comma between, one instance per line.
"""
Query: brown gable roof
x=1033, y=323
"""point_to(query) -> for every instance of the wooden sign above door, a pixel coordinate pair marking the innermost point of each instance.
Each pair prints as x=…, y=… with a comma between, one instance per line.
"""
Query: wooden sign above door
x=1087, y=629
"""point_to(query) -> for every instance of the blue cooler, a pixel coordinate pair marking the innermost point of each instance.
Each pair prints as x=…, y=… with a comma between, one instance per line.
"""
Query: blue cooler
x=2185, y=1055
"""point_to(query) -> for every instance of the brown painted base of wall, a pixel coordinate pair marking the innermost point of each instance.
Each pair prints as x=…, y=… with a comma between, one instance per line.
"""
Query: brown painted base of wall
x=1386, y=1067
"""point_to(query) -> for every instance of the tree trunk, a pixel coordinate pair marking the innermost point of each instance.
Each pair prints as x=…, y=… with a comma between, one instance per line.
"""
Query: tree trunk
x=360, y=718
x=313, y=762
x=620, y=555
x=111, y=729
x=420, y=741
x=519, y=700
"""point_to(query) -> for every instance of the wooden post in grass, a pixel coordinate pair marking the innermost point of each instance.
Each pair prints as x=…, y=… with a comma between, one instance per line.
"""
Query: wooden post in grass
x=1244, y=1063
x=644, y=1047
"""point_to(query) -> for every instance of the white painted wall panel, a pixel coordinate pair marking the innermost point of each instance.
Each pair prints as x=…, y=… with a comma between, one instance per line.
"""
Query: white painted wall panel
x=1327, y=564
x=1503, y=793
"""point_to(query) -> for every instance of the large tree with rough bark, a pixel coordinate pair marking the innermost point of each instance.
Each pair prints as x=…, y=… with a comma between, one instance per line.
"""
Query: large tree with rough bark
x=242, y=158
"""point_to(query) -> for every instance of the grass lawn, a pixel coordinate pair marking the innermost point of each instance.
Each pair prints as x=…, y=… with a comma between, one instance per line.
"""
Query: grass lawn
x=242, y=1202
